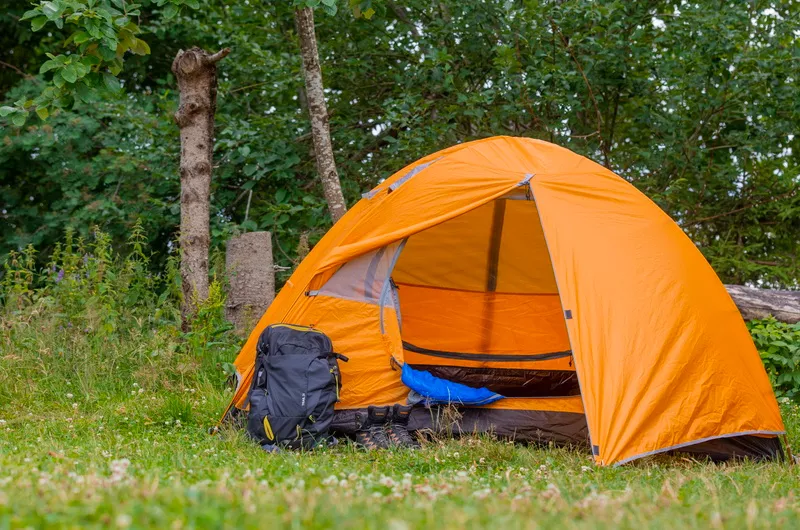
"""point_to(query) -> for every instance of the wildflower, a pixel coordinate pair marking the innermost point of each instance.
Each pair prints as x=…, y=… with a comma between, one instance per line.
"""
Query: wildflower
x=2, y=422
x=75, y=406
x=119, y=470
x=124, y=520
x=386, y=481
x=331, y=481
x=70, y=396
x=60, y=276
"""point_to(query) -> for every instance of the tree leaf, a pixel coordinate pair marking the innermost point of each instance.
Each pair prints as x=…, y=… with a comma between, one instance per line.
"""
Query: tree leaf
x=170, y=10
x=79, y=37
x=69, y=73
x=83, y=91
x=30, y=14
x=111, y=82
x=140, y=47
x=6, y=110
x=42, y=113
x=48, y=65
x=51, y=10
x=37, y=23
x=19, y=119
x=58, y=80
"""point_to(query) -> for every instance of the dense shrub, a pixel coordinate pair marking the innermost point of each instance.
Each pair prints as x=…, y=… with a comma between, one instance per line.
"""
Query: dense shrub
x=779, y=345
x=101, y=317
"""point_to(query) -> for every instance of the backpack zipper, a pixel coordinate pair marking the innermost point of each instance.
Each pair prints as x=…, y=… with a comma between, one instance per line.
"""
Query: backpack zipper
x=268, y=429
x=296, y=327
x=336, y=381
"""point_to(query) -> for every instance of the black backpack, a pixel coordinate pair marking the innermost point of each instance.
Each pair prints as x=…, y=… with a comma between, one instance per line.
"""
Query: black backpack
x=296, y=383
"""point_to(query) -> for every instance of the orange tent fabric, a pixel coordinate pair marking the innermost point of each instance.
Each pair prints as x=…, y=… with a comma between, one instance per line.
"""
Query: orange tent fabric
x=516, y=247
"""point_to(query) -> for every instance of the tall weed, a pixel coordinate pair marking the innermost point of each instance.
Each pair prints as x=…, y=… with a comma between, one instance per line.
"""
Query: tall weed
x=97, y=322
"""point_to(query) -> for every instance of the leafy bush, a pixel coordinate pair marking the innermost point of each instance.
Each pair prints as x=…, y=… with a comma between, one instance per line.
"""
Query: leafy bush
x=779, y=345
x=104, y=322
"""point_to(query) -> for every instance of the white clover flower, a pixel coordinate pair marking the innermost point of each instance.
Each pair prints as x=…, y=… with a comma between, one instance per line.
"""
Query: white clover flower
x=70, y=396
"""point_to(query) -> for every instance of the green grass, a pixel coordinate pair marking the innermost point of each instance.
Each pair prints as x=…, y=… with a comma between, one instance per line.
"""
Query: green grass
x=106, y=426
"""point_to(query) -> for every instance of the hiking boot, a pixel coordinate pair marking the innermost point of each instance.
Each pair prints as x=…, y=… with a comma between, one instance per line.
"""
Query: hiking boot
x=397, y=429
x=371, y=432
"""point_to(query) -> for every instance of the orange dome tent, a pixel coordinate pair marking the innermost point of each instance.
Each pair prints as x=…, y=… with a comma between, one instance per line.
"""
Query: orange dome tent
x=520, y=266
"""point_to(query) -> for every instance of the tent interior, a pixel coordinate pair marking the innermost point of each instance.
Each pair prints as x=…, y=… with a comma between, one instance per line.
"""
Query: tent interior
x=479, y=304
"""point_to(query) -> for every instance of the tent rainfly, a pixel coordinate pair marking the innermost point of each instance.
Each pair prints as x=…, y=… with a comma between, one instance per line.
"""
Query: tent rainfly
x=516, y=265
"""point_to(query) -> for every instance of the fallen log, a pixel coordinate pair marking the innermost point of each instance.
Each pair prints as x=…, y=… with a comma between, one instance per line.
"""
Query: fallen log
x=755, y=303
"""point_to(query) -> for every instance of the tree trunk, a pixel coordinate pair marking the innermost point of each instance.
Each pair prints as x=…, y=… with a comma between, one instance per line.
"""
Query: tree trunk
x=761, y=303
x=196, y=72
x=251, y=279
x=318, y=113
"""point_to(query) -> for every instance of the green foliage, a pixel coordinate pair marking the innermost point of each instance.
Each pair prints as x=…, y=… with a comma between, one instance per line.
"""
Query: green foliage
x=85, y=285
x=779, y=345
x=695, y=104
x=99, y=34
x=109, y=165
x=96, y=324
x=329, y=6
